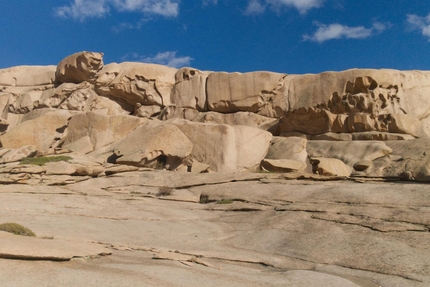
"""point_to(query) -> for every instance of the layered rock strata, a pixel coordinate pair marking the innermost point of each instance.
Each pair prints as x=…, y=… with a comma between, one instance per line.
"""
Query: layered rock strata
x=351, y=123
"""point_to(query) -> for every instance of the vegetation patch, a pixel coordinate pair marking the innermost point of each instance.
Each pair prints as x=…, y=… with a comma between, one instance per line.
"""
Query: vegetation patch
x=165, y=191
x=45, y=159
x=16, y=228
x=224, y=201
x=204, y=198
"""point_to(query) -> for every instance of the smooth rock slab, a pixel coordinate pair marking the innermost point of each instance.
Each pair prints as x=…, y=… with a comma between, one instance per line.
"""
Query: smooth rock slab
x=32, y=248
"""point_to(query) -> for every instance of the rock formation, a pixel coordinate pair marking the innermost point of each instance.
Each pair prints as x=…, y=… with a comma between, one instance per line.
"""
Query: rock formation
x=145, y=115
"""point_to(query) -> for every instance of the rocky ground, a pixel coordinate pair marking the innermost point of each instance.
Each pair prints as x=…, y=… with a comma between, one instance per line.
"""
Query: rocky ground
x=158, y=228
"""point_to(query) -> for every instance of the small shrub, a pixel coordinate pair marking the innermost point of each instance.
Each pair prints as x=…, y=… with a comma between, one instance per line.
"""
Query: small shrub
x=204, y=198
x=16, y=228
x=165, y=191
x=224, y=201
x=45, y=159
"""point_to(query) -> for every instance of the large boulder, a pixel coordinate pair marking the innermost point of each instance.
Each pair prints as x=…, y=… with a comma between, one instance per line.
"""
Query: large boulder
x=132, y=83
x=257, y=92
x=330, y=167
x=348, y=152
x=90, y=131
x=225, y=148
x=410, y=160
x=40, y=132
x=148, y=142
x=292, y=148
x=79, y=67
x=190, y=89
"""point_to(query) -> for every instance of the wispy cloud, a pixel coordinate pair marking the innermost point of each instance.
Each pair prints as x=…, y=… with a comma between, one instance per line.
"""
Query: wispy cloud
x=254, y=7
x=257, y=6
x=420, y=23
x=168, y=58
x=129, y=26
x=338, y=31
x=83, y=9
x=207, y=2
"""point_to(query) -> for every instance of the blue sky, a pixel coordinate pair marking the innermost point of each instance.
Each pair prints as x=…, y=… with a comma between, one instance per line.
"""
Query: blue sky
x=288, y=36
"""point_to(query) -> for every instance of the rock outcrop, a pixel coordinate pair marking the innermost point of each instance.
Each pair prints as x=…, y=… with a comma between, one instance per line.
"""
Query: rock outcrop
x=152, y=116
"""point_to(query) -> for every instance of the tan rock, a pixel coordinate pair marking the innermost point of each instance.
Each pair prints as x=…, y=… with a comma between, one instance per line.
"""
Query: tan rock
x=257, y=92
x=69, y=96
x=40, y=132
x=118, y=168
x=25, y=76
x=173, y=112
x=335, y=137
x=362, y=165
x=32, y=169
x=225, y=148
x=32, y=248
x=60, y=168
x=151, y=140
x=147, y=84
x=329, y=167
x=79, y=67
x=90, y=131
x=349, y=152
x=189, y=90
x=19, y=153
x=282, y=165
x=409, y=160
x=358, y=101
x=146, y=111
x=233, y=119
x=292, y=148
x=380, y=136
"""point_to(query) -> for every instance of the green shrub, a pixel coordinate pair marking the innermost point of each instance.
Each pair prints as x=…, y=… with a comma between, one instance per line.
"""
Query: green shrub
x=165, y=191
x=225, y=201
x=45, y=159
x=16, y=228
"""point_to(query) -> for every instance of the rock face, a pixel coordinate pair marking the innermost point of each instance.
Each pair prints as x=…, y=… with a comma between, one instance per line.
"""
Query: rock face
x=147, y=115
x=79, y=67
x=359, y=101
x=257, y=92
x=132, y=83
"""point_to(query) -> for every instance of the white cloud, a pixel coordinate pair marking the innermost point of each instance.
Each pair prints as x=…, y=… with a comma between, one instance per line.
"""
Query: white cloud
x=302, y=5
x=83, y=9
x=129, y=26
x=338, y=31
x=207, y=2
x=257, y=7
x=254, y=7
x=168, y=58
x=420, y=23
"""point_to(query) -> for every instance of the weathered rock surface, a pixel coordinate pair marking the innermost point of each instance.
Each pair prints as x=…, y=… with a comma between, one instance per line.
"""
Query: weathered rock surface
x=148, y=142
x=190, y=89
x=323, y=233
x=132, y=83
x=79, y=67
x=257, y=92
x=87, y=132
x=40, y=132
x=293, y=148
x=226, y=148
x=357, y=101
